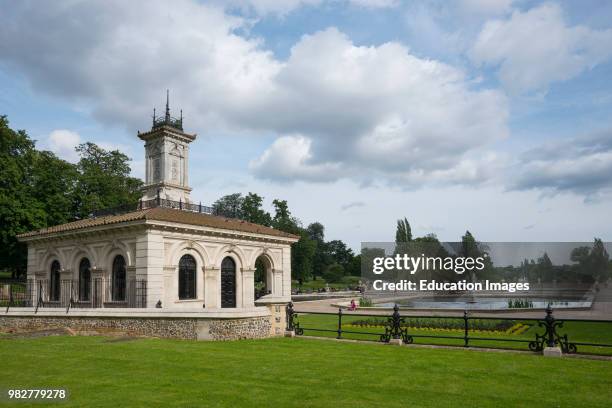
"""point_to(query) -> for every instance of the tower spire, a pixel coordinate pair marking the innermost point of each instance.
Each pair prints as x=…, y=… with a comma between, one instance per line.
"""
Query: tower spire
x=167, y=106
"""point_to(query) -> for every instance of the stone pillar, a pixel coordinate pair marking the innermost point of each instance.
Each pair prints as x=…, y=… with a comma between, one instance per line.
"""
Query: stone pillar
x=212, y=287
x=170, y=285
x=277, y=319
x=149, y=265
x=285, y=290
x=248, y=288
x=100, y=287
x=277, y=284
x=67, y=285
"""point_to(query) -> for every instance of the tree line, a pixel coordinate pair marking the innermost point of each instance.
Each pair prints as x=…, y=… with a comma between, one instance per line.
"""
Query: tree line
x=312, y=256
x=38, y=189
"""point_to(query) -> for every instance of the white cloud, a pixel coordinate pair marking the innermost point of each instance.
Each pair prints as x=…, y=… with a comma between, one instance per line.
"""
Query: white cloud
x=581, y=165
x=381, y=111
x=62, y=142
x=284, y=7
x=288, y=159
x=359, y=111
x=536, y=48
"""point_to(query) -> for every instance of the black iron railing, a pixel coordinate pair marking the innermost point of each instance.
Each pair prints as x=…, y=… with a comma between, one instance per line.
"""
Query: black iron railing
x=462, y=331
x=153, y=203
x=69, y=294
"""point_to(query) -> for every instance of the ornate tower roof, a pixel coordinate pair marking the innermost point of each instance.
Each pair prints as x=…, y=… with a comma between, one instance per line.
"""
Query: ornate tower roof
x=167, y=120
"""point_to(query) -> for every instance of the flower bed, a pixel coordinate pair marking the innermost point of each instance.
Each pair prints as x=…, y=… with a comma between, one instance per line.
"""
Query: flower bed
x=508, y=326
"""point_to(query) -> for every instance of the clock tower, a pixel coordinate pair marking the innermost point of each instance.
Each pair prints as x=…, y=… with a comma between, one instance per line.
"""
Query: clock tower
x=167, y=158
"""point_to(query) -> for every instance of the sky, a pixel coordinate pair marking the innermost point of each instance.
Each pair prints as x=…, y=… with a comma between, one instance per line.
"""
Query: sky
x=481, y=115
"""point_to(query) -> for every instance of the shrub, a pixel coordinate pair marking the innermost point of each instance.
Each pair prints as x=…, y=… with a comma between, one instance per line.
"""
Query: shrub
x=333, y=273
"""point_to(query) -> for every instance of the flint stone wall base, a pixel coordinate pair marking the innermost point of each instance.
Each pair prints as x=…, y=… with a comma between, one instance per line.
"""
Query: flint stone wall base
x=176, y=328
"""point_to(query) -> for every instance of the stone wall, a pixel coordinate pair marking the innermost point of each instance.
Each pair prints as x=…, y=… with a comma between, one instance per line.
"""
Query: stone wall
x=234, y=329
x=178, y=328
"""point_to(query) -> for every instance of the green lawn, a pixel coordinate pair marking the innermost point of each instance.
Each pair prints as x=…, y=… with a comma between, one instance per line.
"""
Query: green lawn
x=584, y=332
x=296, y=373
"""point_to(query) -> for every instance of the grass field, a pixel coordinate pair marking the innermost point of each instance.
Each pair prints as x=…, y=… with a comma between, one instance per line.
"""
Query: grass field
x=584, y=332
x=102, y=372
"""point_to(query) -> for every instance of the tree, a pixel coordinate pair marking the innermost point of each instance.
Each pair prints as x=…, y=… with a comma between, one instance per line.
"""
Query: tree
x=54, y=184
x=545, y=268
x=19, y=211
x=340, y=253
x=367, y=259
x=302, y=255
x=316, y=230
x=403, y=232
x=593, y=263
x=251, y=210
x=282, y=218
x=38, y=189
x=354, y=268
x=599, y=260
x=469, y=246
x=104, y=180
x=322, y=258
x=229, y=206
x=333, y=273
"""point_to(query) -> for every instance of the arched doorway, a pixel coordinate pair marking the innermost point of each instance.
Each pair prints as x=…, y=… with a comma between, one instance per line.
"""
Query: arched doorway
x=84, y=280
x=54, y=282
x=187, y=277
x=228, y=282
x=118, y=279
x=263, y=276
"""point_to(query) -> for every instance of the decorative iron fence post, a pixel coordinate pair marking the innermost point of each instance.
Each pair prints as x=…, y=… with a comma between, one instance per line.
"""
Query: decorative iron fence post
x=465, y=323
x=394, y=330
x=292, y=325
x=551, y=338
x=339, y=323
x=549, y=322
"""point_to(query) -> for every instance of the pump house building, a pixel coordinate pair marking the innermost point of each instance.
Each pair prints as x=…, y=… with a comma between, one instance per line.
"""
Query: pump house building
x=166, y=267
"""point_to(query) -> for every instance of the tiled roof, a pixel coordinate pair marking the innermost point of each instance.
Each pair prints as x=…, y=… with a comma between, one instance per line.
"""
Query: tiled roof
x=165, y=214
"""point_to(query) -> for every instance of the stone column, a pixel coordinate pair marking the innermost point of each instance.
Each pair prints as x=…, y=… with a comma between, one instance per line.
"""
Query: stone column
x=277, y=276
x=67, y=286
x=248, y=288
x=100, y=287
x=212, y=287
x=170, y=286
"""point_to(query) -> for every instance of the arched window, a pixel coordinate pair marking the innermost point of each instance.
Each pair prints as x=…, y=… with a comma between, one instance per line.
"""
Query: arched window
x=187, y=277
x=118, y=279
x=54, y=282
x=84, y=280
x=228, y=282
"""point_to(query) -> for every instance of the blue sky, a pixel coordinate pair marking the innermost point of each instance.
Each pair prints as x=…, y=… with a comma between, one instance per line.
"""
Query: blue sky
x=492, y=116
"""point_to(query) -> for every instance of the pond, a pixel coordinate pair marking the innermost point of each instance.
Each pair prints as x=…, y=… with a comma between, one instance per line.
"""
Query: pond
x=486, y=303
